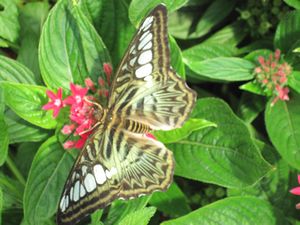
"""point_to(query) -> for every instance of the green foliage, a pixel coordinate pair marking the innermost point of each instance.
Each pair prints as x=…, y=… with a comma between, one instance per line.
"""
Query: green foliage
x=236, y=157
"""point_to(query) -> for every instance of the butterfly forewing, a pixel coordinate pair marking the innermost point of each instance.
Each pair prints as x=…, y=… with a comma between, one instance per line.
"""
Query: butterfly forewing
x=145, y=88
x=118, y=160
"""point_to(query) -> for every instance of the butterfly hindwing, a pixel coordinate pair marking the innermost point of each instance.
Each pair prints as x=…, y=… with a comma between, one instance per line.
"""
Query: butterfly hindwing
x=124, y=166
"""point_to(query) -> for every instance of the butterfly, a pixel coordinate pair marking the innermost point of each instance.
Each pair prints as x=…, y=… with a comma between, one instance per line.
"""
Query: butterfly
x=118, y=160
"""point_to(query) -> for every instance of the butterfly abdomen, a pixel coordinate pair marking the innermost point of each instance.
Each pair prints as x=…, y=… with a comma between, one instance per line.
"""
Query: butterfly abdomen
x=136, y=127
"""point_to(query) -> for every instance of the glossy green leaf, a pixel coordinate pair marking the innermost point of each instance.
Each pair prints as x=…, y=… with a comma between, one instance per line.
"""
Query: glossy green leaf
x=178, y=134
x=288, y=31
x=46, y=179
x=293, y=3
x=231, y=211
x=232, y=34
x=180, y=22
x=11, y=70
x=203, y=52
x=96, y=216
x=32, y=15
x=294, y=80
x=20, y=130
x=176, y=57
x=138, y=217
x=173, y=202
x=224, y=68
x=70, y=50
x=1, y=204
x=27, y=102
x=4, y=140
x=214, y=14
x=115, y=28
x=120, y=209
x=253, y=87
x=274, y=187
x=9, y=22
x=223, y=155
x=139, y=9
x=282, y=126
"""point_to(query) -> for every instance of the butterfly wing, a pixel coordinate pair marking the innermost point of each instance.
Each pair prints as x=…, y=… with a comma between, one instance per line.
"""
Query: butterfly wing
x=114, y=164
x=146, y=88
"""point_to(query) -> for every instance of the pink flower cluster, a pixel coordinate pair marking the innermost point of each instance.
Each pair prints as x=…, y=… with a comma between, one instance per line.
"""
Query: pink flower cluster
x=296, y=191
x=81, y=107
x=272, y=75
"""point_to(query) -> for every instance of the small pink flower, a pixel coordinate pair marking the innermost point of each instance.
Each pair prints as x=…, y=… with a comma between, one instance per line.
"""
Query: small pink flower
x=258, y=70
x=296, y=191
x=68, y=129
x=56, y=102
x=261, y=60
x=90, y=84
x=277, y=54
x=108, y=71
x=80, y=143
x=283, y=93
x=77, y=96
x=69, y=144
x=101, y=82
x=151, y=136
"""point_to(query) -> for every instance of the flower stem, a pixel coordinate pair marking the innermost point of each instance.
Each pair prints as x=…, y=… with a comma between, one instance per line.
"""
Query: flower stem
x=12, y=166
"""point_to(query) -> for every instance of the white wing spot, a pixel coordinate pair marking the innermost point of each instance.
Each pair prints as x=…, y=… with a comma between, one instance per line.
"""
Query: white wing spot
x=84, y=170
x=89, y=182
x=67, y=201
x=76, y=191
x=148, y=46
x=149, y=81
x=145, y=41
x=62, y=204
x=132, y=61
x=99, y=174
x=145, y=57
x=110, y=173
x=71, y=193
x=143, y=71
x=132, y=49
x=82, y=191
x=144, y=35
x=147, y=21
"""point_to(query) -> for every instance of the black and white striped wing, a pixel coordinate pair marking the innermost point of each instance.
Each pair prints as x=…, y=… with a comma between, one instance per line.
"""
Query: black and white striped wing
x=146, y=89
x=116, y=164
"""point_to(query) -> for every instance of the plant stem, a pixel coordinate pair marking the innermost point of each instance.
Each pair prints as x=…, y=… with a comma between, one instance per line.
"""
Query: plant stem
x=12, y=166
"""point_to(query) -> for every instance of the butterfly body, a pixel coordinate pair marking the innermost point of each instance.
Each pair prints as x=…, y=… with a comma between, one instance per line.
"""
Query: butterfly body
x=119, y=161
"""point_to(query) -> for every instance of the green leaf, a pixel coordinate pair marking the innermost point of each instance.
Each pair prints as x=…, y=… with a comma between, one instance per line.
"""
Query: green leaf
x=294, y=80
x=120, y=209
x=232, y=34
x=9, y=22
x=214, y=14
x=115, y=28
x=46, y=179
x=253, y=87
x=178, y=134
x=288, y=31
x=139, y=217
x=282, y=122
x=176, y=57
x=1, y=204
x=172, y=202
x=231, y=211
x=96, y=216
x=180, y=22
x=225, y=155
x=4, y=140
x=11, y=70
x=224, y=68
x=293, y=3
x=20, y=130
x=27, y=102
x=203, y=52
x=139, y=9
x=70, y=50
x=253, y=56
x=274, y=187
x=32, y=15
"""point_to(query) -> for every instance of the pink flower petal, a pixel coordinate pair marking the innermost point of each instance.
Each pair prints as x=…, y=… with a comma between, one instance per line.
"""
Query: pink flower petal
x=48, y=106
x=51, y=95
x=299, y=179
x=295, y=191
x=69, y=144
